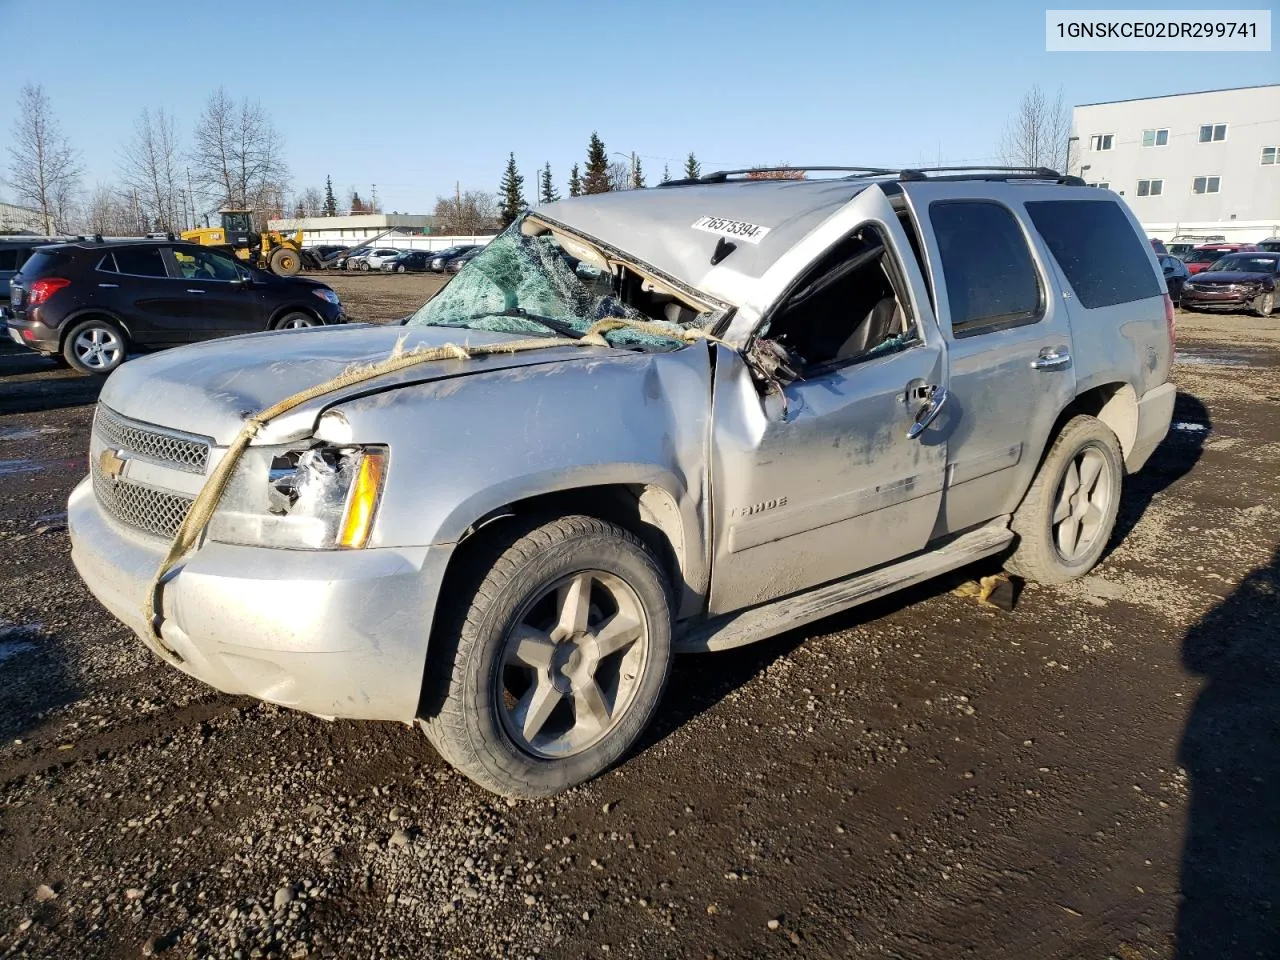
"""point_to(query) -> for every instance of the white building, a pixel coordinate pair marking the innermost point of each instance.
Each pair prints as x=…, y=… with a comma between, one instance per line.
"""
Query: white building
x=1205, y=162
x=352, y=229
x=15, y=219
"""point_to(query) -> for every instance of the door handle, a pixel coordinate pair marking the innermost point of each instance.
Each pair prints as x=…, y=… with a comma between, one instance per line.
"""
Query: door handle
x=195, y=291
x=1052, y=358
x=929, y=412
x=110, y=286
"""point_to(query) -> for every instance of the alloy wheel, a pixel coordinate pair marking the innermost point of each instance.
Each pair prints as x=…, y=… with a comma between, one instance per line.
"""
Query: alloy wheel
x=99, y=348
x=1082, y=504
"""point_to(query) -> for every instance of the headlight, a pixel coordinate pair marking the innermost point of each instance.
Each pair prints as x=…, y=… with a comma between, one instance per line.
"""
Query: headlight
x=324, y=293
x=323, y=497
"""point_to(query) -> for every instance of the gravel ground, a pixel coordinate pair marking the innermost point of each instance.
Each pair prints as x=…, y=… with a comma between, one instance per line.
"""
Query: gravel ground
x=1090, y=775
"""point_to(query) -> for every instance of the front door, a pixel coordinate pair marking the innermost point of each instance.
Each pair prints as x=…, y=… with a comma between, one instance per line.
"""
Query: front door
x=842, y=469
x=214, y=299
x=1008, y=342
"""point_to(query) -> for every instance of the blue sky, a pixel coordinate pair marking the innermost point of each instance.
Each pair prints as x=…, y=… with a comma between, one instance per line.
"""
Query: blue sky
x=413, y=96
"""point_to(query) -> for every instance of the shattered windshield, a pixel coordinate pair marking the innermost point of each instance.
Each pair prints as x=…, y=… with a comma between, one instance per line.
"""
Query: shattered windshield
x=531, y=287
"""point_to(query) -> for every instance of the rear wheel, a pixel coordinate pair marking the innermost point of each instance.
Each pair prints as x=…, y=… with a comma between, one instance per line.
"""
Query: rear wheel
x=285, y=262
x=1067, y=516
x=553, y=668
x=400, y=269
x=364, y=265
x=95, y=346
x=1265, y=304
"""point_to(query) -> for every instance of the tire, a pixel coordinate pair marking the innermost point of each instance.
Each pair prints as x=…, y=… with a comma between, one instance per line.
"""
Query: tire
x=400, y=269
x=285, y=262
x=1265, y=304
x=517, y=691
x=296, y=320
x=95, y=346
x=364, y=265
x=1052, y=551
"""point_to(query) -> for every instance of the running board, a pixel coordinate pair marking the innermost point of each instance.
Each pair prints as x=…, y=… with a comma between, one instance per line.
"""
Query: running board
x=778, y=616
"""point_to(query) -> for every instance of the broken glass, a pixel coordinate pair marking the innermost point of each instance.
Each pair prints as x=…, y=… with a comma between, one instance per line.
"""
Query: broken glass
x=531, y=287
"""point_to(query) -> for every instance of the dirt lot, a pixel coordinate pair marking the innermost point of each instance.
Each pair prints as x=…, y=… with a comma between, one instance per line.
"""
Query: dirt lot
x=1092, y=775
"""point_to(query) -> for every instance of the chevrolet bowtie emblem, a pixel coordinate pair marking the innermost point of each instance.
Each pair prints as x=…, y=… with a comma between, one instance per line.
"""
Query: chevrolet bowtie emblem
x=111, y=463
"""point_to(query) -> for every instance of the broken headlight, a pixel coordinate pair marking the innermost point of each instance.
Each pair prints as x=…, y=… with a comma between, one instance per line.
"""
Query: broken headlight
x=324, y=497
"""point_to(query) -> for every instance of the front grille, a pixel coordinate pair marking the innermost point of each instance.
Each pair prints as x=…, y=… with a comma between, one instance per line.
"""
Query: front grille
x=178, y=450
x=154, y=511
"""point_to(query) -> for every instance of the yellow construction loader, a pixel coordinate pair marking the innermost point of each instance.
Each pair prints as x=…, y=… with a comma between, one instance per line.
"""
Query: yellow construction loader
x=280, y=253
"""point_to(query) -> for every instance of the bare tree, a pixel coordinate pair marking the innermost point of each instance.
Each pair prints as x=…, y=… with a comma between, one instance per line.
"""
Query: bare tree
x=150, y=168
x=1036, y=135
x=238, y=155
x=311, y=202
x=783, y=171
x=44, y=170
x=619, y=175
x=108, y=213
x=467, y=213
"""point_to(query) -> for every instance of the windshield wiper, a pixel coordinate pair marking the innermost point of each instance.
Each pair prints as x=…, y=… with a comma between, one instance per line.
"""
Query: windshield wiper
x=555, y=326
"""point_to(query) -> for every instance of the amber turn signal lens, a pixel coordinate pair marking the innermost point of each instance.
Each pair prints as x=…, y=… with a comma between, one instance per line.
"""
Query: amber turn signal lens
x=362, y=502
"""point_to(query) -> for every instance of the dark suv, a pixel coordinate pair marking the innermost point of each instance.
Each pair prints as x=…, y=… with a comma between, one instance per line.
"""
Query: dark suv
x=91, y=302
x=13, y=254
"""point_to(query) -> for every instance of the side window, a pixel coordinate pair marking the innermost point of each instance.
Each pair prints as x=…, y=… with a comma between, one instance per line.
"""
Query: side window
x=205, y=265
x=108, y=264
x=9, y=259
x=991, y=282
x=140, y=261
x=1095, y=245
x=847, y=307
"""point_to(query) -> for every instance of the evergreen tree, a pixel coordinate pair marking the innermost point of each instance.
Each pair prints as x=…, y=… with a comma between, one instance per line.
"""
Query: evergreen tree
x=692, y=169
x=330, y=201
x=596, y=179
x=357, y=205
x=637, y=176
x=511, y=201
x=575, y=182
x=666, y=173
x=547, y=190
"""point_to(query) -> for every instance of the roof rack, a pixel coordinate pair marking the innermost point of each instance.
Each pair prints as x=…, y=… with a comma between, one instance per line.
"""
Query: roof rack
x=907, y=174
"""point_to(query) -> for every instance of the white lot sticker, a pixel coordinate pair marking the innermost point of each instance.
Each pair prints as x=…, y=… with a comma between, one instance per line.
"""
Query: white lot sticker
x=736, y=229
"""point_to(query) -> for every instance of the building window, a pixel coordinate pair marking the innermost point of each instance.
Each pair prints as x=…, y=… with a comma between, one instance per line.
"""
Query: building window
x=1101, y=141
x=1155, y=138
x=1270, y=156
x=1150, y=188
x=1101, y=185
x=1205, y=185
x=1213, y=132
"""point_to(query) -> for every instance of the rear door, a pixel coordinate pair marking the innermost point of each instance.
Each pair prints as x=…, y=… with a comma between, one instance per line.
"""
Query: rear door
x=1008, y=341
x=136, y=281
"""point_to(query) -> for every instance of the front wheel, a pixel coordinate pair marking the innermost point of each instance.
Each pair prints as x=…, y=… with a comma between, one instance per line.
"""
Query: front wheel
x=285, y=262
x=555, y=666
x=365, y=266
x=95, y=346
x=1064, y=522
x=296, y=320
x=1265, y=304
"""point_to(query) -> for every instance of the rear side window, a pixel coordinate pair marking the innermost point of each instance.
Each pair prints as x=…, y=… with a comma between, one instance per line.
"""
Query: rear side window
x=140, y=261
x=991, y=281
x=1095, y=245
x=108, y=264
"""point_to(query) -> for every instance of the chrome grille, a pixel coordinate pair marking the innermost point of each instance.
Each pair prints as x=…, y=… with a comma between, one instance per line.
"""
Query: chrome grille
x=178, y=450
x=158, y=512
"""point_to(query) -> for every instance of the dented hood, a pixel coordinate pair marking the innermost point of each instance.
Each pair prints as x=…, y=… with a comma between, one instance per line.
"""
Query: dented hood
x=210, y=388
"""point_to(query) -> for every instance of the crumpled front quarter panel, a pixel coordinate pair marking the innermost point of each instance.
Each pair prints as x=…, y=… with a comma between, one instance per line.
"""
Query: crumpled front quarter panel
x=464, y=447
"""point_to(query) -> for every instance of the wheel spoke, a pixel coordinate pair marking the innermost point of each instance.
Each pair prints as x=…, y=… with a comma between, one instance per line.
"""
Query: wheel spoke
x=1071, y=480
x=590, y=711
x=535, y=708
x=531, y=648
x=574, y=604
x=1090, y=522
x=621, y=631
x=1062, y=509
x=1068, y=536
x=1090, y=470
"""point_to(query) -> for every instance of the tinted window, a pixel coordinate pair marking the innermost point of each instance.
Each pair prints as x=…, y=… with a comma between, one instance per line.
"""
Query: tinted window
x=108, y=264
x=1094, y=244
x=140, y=261
x=205, y=265
x=39, y=262
x=9, y=259
x=990, y=279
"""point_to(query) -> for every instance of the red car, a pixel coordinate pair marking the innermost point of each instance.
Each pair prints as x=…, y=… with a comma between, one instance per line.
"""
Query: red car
x=1203, y=256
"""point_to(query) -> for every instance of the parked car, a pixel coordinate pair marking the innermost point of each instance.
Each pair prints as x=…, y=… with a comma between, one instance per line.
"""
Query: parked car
x=456, y=263
x=324, y=253
x=14, y=252
x=410, y=261
x=1271, y=244
x=1175, y=275
x=1157, y=245
x=1182, y=244
x=1238, y=281
x=441, y=258
x=509, y=511
x=373, y=259
x=1206, y=254
x=341, y=263
x=91, y=303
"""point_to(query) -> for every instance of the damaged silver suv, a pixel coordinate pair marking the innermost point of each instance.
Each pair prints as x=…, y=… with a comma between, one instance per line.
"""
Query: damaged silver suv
x=677, y=419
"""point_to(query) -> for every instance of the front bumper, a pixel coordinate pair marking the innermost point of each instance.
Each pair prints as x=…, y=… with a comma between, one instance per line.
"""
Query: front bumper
x=1215, y=299
x=333, y=633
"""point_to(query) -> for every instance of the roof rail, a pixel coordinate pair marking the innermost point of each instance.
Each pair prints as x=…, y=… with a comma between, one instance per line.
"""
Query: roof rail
x=906, y=174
